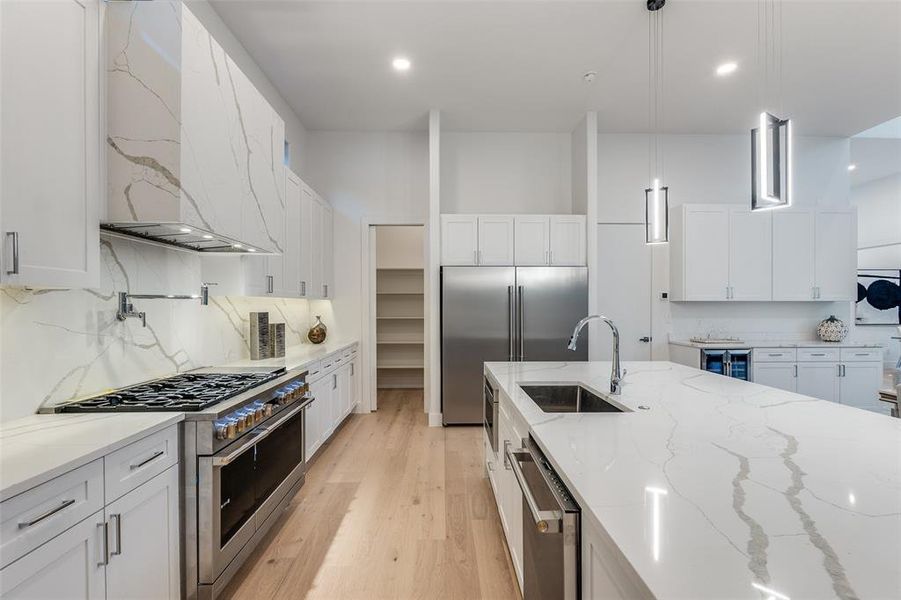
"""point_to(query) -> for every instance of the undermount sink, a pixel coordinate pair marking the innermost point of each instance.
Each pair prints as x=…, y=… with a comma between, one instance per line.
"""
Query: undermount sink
x=568, y=398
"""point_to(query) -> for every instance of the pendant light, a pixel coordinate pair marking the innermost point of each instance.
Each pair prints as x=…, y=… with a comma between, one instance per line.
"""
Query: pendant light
x=656, y=197
x=771, y=140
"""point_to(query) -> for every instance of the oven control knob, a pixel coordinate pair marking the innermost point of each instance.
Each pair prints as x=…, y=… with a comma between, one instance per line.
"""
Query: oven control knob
x=258, y=412
x=267, y=410
x=239, y=423
x=231, y=429
x=221, y=430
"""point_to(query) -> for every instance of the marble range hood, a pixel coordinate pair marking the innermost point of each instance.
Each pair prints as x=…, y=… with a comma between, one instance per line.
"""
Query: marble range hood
x=194, y=150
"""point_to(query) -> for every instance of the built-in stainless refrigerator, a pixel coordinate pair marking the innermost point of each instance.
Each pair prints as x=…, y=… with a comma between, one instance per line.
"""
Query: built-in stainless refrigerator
x=504, y=314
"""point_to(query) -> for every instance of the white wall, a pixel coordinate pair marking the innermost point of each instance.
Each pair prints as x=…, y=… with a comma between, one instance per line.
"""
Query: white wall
x=295, y=132
x=365, y=175
x=716, y=169
x=506, y=172
x=399, y=247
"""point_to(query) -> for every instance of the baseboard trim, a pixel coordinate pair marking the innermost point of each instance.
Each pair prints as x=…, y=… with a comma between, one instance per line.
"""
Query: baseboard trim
x=436, y=419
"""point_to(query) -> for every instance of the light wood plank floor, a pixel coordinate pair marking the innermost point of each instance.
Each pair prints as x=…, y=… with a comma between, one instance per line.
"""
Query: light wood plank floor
x=391, y=508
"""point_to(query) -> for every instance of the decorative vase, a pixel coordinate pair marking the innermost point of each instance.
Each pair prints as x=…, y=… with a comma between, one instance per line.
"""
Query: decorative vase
x=832, y=329
x=317, y=332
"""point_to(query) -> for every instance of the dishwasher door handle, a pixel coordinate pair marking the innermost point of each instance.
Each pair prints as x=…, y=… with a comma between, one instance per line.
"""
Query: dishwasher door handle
x=546, y=521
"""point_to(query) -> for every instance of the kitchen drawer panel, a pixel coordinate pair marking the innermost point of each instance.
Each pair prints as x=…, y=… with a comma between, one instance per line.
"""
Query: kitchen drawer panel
x=775, y=355
x=127, y=468
x=43, y=512
x=817, y=354
x=861, y=354
x=314, y=371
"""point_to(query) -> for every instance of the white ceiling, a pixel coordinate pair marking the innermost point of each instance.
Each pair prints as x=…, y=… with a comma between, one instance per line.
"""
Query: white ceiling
x=518, y=65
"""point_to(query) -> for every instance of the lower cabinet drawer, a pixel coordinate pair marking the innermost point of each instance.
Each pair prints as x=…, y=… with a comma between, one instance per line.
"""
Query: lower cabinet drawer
x=127, y=468
x=43, y=512
x=861, y=354
x=817, y=354
x=775, y=355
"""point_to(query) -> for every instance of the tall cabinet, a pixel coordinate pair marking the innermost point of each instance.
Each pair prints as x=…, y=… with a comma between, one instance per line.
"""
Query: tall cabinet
x=50, y=143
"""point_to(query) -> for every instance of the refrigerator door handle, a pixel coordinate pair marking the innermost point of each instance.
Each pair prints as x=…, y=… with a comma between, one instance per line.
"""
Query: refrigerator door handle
x=519, y=317
x=510, y=323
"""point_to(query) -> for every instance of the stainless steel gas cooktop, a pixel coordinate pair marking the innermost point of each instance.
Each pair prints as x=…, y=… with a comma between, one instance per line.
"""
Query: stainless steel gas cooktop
x=184, y=393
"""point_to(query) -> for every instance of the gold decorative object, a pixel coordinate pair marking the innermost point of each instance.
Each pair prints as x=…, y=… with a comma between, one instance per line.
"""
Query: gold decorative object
x=318, y=331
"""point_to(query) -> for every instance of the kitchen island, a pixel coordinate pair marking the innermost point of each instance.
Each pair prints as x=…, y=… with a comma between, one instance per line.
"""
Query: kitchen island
x=710, y=487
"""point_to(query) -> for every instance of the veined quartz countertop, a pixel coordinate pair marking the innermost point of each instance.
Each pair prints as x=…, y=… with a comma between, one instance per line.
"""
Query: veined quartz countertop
x=38, y=448
x=753, y=486
x=774, y=344
x=298, y=356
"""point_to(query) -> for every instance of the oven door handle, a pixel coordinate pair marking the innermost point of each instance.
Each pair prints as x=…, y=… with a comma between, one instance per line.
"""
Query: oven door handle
x=546, y=521
x=255, y=436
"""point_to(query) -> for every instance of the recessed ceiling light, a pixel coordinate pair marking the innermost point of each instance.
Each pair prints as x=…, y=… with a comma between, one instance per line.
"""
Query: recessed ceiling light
x=185, y=229
x=726, y=68
x=236, y=246
x=401, y=63
x=251, y=249
x=852, y=167
x=207, y=237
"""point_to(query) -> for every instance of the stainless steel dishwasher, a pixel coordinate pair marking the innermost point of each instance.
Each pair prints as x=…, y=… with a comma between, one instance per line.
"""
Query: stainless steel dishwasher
x=551, y=527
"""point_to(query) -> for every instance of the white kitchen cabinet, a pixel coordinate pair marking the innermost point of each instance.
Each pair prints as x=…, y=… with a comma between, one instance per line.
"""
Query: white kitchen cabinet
x=316, y=418
x=353, y=384
x=71, y=566
x=859, y=384
x=567, y=240
x=308, y=200
x=291, y=281
x=793, y=254
x=328, y=225
x=780, y=375
x=750, y=255
x=496, y=246
x=532, y=238
x=50, y=146
x=318, y=238
x=459, y=240
x=699, y=252
x=819, y=379
x=835, y=264
x=143, y=532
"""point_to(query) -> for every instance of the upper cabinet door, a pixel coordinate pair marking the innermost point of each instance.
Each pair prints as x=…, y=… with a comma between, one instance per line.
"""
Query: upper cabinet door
x=705, y=252
x=532, y=240
x=307, y=201
x=291, y=261
x=50, y=143
x=835, y=269
x=316, y=238
x=496, y=245
x=750, y=254
x=459, y=239
x=328, y=252
x=567, y=240
x=793, y=254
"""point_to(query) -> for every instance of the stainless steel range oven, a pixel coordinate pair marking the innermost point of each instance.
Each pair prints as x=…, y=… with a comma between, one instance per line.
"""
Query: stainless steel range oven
x=248, y=463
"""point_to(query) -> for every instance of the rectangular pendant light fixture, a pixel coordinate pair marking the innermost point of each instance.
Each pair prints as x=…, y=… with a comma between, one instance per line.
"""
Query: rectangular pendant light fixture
x=771, y=163
x=656, y=214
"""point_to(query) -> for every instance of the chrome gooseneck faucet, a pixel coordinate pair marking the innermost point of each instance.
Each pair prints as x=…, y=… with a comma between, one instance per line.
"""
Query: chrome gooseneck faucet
x=127, y=309
x=617, y=375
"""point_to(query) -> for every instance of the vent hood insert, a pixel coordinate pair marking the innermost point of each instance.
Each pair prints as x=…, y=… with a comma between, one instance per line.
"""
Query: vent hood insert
x=181, y=236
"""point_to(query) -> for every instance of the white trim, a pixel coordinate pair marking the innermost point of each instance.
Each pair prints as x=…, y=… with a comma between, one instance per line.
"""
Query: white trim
x=369, y=391
x=436, y=419
x=432, y=395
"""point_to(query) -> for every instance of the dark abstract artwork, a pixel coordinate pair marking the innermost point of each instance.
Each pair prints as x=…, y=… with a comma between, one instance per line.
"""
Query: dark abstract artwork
x=878, y=297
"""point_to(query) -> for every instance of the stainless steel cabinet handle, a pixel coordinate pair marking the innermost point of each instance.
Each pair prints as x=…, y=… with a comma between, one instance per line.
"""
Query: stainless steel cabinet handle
x=47, y=515
x=547, y=521
x=118, y=532
x=519, y=296
x=645, y=339
x=270, y=284
x=550, y=257
x=475, y=257
x=334, y=381
x=838, y=370
x=351, y=369
x=818, y=354
x=15, y=237
x=104, y=538
x=547, y=260
x=152, y=457
x=507, y=444
x=510, y=322
x=325, y=290
x=796, y=370
x=303, y=288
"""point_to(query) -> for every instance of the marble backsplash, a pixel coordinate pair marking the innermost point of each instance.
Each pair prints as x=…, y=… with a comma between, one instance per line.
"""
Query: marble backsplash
x=57, y=345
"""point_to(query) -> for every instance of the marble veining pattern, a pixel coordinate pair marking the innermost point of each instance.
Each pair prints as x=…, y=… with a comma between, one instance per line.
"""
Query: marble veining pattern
x=758, y=489
x=58, y=345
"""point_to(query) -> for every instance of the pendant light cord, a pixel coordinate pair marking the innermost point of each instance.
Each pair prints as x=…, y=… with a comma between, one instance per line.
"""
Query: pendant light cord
x=655, y=83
